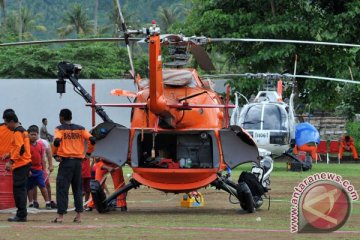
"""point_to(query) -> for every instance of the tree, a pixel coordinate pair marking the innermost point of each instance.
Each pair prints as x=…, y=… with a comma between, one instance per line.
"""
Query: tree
x=20, y=19
x=40, y=61
x=3, y=10
x=167, y=17
x=24, y=24
x=301, y=20
x=75, y=20
x=96, y=8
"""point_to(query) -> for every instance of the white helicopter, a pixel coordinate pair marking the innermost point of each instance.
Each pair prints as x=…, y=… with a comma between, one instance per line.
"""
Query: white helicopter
x=269, y=120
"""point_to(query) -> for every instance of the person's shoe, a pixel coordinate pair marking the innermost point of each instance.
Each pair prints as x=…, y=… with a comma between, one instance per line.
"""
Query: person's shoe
x=36, y=205
x=48, y=206
x=53, y=205
x=17, y=219
x=88, y=209
x=31, y=205
x=123, y=209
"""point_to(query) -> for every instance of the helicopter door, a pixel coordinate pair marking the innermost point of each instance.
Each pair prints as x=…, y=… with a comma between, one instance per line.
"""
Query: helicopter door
x=112, y=142
x=237, y=147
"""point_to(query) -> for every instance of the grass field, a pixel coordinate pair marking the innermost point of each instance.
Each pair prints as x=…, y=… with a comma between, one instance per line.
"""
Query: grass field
x=156, y=215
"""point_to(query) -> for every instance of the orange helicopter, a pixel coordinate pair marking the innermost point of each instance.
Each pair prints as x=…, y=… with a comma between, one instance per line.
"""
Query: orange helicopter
x=180, y=139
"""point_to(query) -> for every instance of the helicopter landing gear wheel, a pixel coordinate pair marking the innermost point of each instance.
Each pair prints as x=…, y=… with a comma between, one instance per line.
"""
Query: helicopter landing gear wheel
x=245, y=197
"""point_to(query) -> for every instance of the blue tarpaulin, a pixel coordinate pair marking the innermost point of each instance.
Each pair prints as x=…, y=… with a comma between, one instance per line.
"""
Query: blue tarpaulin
x=306, y=133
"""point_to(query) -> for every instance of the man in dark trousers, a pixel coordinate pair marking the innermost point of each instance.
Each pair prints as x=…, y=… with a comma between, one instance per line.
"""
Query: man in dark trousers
x=69, y=149
x=20, y=159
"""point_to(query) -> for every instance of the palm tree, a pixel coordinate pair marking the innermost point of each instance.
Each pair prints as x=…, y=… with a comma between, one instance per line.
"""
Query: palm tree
x=24, y=27
x=116, y=22
x=20, y=20
x=168, y=16
x=96, y=17
x=272, y=4
x=75, y=20
x=3, y=10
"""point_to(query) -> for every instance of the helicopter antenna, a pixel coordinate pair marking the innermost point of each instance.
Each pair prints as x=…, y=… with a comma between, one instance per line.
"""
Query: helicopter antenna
x=126, y=38
x=295, y=66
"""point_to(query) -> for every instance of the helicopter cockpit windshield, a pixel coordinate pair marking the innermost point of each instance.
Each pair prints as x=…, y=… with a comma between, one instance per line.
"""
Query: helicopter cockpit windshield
x=268, y=123
x=265, y=117
x=174, y=78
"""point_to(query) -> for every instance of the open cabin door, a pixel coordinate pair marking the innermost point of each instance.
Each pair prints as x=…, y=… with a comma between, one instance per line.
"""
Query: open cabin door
x=112, y=142
x=238, y=147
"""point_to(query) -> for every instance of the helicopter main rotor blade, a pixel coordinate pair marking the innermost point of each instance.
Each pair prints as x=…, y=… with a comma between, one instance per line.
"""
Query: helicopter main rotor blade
x=179, y=106
x=84, y=40
x=202, y=58
x=282, y=41
x=126, y=37
x=278, y=75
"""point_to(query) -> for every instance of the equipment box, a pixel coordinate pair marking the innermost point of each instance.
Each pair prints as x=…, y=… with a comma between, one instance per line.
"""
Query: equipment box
x=192, y=200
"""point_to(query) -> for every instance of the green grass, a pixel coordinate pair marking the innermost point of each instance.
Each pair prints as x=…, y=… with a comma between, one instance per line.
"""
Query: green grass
x=156, y=215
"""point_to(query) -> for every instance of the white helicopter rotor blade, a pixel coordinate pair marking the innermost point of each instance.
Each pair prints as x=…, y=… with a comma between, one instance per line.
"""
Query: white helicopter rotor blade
x=323, y=78
x=55, y=41
x=282, y=41
x=277, y=75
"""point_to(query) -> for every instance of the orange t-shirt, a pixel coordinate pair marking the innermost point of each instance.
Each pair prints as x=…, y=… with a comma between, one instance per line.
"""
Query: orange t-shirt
x=72, y=141
x=6, y=136
x=20, y=148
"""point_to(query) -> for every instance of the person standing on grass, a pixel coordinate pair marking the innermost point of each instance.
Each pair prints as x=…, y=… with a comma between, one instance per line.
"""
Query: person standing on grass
x=86, y=177
x=44, y=134
x=6, y=136
x=38, y=167
x=69, y=149
x=20, y=159
x=49, y=158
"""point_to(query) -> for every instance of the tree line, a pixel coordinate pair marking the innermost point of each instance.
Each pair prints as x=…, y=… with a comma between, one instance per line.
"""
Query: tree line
x=316, y=20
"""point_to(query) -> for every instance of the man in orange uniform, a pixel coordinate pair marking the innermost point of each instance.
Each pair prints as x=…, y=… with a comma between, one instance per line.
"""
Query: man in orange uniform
x=69, y=149
x=116, y=172
x=309, y=148
x=347, y=144
x=20, y=159
x=6, y=136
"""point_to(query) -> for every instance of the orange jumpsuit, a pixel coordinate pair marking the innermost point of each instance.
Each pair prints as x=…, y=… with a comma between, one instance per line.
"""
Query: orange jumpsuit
x=307, y=148
x=118, y=180
x=6, y=136
x=347, y=146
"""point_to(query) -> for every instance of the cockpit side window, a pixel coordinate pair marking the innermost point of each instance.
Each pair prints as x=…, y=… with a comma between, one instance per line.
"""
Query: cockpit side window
x=275, y=118
x=252, y=118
